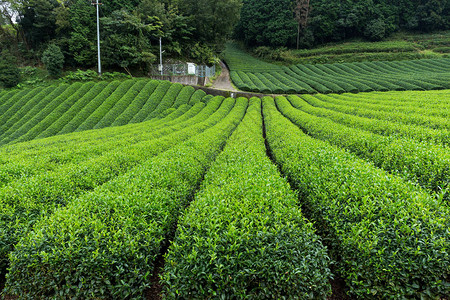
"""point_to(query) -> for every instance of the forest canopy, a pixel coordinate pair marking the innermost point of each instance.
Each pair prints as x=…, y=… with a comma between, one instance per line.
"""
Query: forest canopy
x=277, y=22
x=130, y=29
x=197, y=29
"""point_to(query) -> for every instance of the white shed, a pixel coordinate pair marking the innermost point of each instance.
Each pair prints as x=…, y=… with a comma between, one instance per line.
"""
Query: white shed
x=191, y=68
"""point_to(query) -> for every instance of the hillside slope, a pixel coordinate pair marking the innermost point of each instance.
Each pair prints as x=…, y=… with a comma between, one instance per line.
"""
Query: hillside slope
x=250, y=74
x=192, y=195
x=43, y=112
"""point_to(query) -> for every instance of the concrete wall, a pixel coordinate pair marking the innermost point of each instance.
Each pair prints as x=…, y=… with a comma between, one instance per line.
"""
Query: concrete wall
x=215, y=92
x=186, y=80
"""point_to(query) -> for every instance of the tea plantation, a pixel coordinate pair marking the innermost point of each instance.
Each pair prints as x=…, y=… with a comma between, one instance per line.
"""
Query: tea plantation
x=139, y=188
x=251, y=74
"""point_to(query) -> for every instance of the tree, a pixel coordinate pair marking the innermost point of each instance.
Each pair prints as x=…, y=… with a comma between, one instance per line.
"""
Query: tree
x=38, y=21
x=82, y=41
x=301, y=16
x=126, y=40
x=53, y=60
x=9, y=72
x=213, y=20
x=267, y=23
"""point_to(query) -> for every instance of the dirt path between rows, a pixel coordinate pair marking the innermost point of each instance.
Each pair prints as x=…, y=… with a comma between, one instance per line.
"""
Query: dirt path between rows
x=223, y=82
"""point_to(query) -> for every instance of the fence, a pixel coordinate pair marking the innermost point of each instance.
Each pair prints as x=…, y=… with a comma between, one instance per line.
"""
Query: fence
x=183, y=70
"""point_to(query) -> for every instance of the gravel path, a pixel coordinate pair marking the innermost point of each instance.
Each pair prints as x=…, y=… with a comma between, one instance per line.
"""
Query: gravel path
x=223, y=82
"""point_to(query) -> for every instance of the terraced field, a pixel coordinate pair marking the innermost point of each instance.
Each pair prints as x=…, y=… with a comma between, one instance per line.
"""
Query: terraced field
x=43, y=112
x=223, y=198
x=251, y=74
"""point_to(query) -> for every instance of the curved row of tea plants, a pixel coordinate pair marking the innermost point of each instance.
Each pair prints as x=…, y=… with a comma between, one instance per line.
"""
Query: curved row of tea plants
x=112, y=236
x=389, y=238
x=421, y=162
x=430, y=121
x=439, y=110
x=244, y=236
x=27, y=159
x=383, y=127
x=251, y=74
x=44, y=112
x=24, y=201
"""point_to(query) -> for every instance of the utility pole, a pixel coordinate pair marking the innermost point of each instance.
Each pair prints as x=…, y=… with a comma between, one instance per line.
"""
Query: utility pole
x=160, y=56
x=96, y=3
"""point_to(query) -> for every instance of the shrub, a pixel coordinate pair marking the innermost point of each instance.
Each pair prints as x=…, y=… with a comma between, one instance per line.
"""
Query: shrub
x=389, y=237
x=53, y=60
x=375, y=30
x=120, y=237
x=244, y=236
x=9, y=72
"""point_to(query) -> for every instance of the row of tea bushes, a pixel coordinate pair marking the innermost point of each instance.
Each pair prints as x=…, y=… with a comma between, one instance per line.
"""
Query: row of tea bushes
x=390, y=238
x=437, y=111
x=406, y=118
x=28, y=159
x=43, y=112
x=197, y=97
x=9, y=99
x=35, y=95
x=91, y=106
x=10, y=128
x=104, y=245
x=23, y=201
x=422, y=162
x=167, y=101
x=244, y=236
x=50, y=114
x=383, y=127
x=250, y=74
x=152, y=103
x=105, y=106
x=432, y=103
x=116, y=108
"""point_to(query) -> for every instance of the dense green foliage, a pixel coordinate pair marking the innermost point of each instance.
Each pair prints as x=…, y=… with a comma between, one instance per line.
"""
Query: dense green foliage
x=43, y=112
x=62, y=178
x=401, y=46
x=269, y=23
x=394, y=117
x=273, y=23
x=122, y=228
x=88, y=214
x=53, y=60
x=129, y=30
x=421, y=162
x=250, y=239
x=9, y=71
x=389, y=237
x=251, y=74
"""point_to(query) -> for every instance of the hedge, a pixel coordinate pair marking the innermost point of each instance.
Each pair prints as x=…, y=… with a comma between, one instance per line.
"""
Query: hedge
x=43, y=193
x=421, y=162
x=31, y=158
x=362, y=110
x=137, y=104
x=152, y=102
x=389, y=238
x=121, y=105
x=53, y=115
x=112, y=236
x=105, y=107
x=197, y=97
x=244, y=236
x=89, y=107
x=383, y=127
